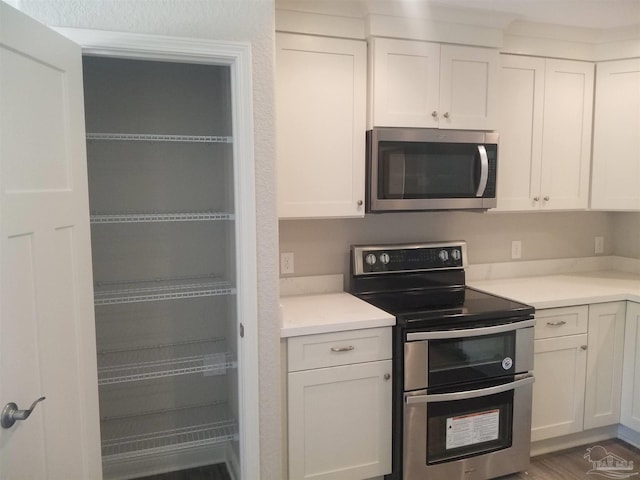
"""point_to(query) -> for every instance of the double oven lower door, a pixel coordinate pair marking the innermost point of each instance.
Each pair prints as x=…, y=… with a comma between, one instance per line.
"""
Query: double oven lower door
x=467, y=401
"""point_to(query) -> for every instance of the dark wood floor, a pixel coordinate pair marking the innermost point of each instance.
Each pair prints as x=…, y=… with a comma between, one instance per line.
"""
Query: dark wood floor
x=568, y=464
x=571, y=464
x=209, y=472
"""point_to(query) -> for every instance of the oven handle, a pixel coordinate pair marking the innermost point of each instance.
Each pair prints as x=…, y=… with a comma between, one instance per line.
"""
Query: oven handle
x=470, y=332
x=521, y=381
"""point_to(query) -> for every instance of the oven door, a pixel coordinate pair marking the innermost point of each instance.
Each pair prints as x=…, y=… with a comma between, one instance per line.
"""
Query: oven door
x=472, y=434
x=446, y=357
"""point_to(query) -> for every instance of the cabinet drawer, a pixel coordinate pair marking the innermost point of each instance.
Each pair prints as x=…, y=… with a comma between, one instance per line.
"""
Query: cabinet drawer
x=339, y=348
x=557, y=322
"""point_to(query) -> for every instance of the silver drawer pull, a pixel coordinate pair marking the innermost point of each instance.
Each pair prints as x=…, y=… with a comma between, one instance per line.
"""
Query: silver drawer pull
x=342, y=349
x=557, y=324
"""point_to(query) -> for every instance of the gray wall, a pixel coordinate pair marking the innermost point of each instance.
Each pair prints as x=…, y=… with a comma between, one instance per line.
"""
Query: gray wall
x=322, y=246
x=626, y=234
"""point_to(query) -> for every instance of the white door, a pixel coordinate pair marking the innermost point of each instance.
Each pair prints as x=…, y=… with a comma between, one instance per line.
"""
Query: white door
x=47, y=331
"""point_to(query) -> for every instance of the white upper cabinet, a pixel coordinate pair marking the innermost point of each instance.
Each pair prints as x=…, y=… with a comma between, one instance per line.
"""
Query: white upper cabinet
x=320, y=126
x=615, y=182
x=421, y=84
x=545, y=115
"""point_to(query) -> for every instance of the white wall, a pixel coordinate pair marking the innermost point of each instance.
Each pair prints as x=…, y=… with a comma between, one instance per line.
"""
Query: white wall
x=322, y=246
x=234, y=20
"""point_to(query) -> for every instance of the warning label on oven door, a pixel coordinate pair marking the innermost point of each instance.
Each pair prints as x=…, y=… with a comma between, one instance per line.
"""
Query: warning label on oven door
x=473, y=428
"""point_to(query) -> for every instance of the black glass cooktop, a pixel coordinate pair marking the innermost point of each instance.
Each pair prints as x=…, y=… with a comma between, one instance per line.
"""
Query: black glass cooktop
x=446, y=306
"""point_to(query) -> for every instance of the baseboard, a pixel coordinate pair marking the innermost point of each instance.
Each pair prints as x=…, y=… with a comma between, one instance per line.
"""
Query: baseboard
x=630, y=436
x=587, y=437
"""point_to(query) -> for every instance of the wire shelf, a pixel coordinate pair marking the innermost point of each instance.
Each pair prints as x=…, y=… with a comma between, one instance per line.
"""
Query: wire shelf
x=135, y=137
x=160, y=217
x=164, y=432
x=109, y=293
x=207, y=357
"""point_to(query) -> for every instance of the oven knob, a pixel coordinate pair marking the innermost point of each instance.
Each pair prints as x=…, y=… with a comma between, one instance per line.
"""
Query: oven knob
x=384, y=258
x=370, y=259
x=455, y=254
x=443, y=255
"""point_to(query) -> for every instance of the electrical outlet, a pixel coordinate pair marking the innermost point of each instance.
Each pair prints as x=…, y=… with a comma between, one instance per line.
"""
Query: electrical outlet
x=516, y=249
x=286, y=263
x=599, y=245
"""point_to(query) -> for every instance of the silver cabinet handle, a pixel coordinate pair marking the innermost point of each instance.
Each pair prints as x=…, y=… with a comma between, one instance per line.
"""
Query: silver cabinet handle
x=343, y=349
x=446, y=115
x=546, y=198
x=536, y=199
x=360, y=202
x=584, y=347
x=434, y=114
x=557, y=324
x=10, y=413
x=387, y=376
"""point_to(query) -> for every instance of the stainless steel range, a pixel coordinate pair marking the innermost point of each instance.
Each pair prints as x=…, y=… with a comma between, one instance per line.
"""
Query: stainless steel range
x=462, y=363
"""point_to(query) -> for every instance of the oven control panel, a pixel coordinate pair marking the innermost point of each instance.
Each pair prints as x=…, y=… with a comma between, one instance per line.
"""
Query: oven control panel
x=408, y=258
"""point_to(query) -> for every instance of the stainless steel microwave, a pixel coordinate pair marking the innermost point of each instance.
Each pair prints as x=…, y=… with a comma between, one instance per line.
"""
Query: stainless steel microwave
x=412, y=169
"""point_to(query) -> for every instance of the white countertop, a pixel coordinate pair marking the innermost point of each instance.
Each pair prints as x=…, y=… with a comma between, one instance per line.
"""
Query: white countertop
x=339, y=311
x=330, y=312
x=563, y=290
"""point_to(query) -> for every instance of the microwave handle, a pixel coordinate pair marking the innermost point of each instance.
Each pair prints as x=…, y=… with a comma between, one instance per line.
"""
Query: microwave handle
x=484, y=170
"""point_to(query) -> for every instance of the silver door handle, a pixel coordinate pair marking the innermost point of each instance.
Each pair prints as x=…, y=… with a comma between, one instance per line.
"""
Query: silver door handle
x=557, y=324
x=471, y=332
x=10, y=413
x=521, y=381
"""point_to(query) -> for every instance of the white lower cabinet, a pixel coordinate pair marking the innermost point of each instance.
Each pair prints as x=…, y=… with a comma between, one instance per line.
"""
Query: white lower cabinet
x=578, y=369
x=339, y=396
x=630, y=414
x=560, y=363
x=604, y=364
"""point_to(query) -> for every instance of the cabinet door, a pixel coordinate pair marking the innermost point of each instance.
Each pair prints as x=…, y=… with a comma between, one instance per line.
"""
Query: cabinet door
x=320, y=126
x=566, y=135
x=405, y=83
x=468, y=87
x=615, y=183
x=558, y=393
x=630, y=415
x=340, y=422
x=520, y=117
x=604, y=364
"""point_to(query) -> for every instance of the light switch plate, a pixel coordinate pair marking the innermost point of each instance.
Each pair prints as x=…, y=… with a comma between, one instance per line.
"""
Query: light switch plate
x=599, y=245
x=516, y=249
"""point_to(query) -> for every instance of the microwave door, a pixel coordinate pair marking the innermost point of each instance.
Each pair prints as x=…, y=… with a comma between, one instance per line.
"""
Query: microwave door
x=395, y=174
x=484, y=170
